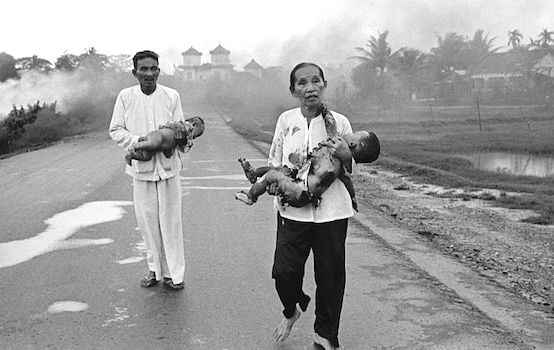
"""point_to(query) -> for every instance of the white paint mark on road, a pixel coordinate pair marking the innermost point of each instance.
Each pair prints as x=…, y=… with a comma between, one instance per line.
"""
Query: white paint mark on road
x=59, y=228
x=234, y=188
x=67, y=306
x=228, y=160
x=198, y=339
x=140, y=250
x=240, y=177
x=80, y=243
x=130, y=260
x=120, y=315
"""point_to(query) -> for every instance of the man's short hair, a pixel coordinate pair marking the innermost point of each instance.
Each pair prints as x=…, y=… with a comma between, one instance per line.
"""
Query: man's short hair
x=144, y=54
x=370, y=149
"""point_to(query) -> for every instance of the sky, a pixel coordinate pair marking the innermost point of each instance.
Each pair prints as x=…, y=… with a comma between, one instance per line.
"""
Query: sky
x=274, y=33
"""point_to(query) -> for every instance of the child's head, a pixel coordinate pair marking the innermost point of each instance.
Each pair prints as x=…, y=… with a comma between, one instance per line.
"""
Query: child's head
x=197, y=126
x=364, y=146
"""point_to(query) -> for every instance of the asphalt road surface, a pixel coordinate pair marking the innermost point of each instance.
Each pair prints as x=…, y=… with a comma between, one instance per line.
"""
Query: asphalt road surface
x=71, y=259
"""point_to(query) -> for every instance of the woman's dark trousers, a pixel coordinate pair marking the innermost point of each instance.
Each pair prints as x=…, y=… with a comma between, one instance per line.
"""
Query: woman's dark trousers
x=327, y=241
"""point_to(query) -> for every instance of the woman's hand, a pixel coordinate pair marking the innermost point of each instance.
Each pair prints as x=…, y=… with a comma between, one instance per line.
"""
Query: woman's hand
x=339, y=149
x=272, y=189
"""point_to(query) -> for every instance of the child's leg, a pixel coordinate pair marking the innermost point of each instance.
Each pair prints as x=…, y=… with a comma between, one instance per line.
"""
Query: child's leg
x=257, y=189
x=252, y=174
x=138, y=155
x=151, y=142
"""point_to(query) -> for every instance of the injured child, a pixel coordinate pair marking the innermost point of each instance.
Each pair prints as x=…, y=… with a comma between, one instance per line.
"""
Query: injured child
x=166, y=139
x=322, y=169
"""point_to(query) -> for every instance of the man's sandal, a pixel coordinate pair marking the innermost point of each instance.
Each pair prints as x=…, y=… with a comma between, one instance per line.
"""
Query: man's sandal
x=148, y=280
x=169, y=282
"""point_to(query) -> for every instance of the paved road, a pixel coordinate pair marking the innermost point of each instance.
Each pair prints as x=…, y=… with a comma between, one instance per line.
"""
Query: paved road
x=71, y=258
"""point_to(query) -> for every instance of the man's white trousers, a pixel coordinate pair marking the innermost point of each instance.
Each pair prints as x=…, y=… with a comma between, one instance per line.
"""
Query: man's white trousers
x=158, y=211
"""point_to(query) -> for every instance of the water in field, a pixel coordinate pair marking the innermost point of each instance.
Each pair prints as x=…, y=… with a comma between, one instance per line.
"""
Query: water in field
x=516, y=164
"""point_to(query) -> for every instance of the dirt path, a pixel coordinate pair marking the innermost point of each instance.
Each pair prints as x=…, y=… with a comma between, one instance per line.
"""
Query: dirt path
x=488, y=239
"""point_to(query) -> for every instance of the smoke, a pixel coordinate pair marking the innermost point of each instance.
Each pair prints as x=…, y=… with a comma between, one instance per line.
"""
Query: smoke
x=415, y=24
x=60, y=87
x=169, y=59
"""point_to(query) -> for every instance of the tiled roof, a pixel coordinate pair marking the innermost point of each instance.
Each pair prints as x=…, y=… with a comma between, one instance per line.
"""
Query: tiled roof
x=219, y=50
x=253, y=65
x=192, y=52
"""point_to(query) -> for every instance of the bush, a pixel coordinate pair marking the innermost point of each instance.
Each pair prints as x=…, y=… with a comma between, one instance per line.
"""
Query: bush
x=48, y=127
x=13, y=126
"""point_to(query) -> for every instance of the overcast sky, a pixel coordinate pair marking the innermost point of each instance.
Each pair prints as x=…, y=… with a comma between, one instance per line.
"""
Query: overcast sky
x=272, y=32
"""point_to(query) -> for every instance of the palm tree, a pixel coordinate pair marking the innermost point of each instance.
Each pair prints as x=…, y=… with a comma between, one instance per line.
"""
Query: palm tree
x=478, y=48
x=408, y=62
x=378, y=56
x=446, y=56
x=378, y=52
x=545, y=38
x=514, y=38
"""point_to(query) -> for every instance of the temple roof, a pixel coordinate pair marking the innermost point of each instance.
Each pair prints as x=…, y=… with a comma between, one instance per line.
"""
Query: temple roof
x=253, y=65
x=192, y=52
x=220, y=50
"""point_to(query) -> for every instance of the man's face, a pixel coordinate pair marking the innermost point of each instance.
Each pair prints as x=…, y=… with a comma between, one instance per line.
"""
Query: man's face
x=147, y=72
x=309, y=86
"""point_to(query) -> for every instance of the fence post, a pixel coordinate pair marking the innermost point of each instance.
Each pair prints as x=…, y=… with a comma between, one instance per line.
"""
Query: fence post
x=479, y=114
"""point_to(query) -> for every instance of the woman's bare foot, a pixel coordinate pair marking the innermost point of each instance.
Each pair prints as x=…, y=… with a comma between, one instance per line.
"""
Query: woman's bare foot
x=324, y=343
x=283, y=329
x=243, y=197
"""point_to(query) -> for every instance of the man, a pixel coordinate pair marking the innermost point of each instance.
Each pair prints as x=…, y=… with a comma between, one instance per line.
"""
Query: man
x=139, y=110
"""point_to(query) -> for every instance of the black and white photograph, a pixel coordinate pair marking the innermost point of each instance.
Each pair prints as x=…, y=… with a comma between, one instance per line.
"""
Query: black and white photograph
x=277, y=175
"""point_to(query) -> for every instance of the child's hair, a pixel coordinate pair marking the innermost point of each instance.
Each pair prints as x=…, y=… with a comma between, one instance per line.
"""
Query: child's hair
x=369, y=149
x=197, y=126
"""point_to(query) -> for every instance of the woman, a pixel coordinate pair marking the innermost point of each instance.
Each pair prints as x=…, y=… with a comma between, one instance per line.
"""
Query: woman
x=320, y=228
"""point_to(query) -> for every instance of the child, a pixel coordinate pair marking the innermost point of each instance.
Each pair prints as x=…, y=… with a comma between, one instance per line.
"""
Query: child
x=166, y=138
x=322, y=169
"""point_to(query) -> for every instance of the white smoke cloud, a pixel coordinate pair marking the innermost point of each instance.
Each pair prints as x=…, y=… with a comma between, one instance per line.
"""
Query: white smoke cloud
x=414, y=24
x=60, y=87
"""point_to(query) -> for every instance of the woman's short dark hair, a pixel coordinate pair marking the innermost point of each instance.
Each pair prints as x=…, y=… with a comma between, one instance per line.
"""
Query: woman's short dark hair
x=297, y=67
x=144, y=54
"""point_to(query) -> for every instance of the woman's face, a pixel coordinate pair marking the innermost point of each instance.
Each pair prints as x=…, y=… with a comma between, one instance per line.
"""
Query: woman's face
x=309, y=86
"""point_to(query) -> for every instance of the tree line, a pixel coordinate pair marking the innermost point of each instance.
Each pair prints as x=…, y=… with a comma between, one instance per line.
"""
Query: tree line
x=384, y=75
x=91, y=59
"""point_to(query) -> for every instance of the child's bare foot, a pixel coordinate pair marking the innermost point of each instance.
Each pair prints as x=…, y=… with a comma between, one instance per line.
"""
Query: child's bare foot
x=248, y=170
x=243, y=197
x=283, y=329
x=324, y=343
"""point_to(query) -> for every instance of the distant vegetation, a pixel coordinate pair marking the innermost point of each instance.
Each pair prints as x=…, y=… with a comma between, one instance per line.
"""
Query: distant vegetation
x=88, y=84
